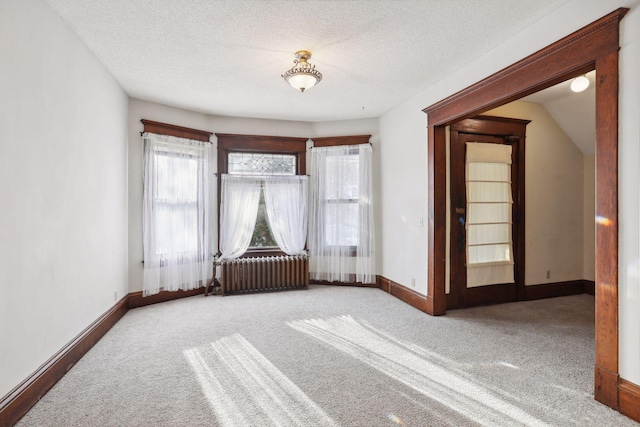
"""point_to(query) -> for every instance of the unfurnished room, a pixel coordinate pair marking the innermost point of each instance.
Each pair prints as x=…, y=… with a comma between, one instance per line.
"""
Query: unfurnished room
x=320, y=213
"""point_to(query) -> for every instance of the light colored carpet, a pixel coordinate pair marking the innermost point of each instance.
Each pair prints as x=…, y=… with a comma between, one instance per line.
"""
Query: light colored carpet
x=335, y=356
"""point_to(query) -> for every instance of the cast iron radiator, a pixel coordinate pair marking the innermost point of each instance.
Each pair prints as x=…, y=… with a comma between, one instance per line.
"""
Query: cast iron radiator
x=273, y=273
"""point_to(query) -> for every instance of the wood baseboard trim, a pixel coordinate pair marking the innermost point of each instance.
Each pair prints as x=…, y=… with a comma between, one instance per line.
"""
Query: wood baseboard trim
x=411, y=297
x=357, y=284
x=589, y=287
x=21, y=399
x=558, y=289
x=18, y=401
x=606, y=387
x=629, y=399
x=137, y=300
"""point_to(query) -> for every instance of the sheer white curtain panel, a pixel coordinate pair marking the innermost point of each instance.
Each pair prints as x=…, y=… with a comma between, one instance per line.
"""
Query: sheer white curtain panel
x=176, y=213
x=341, y=227
x=489, y=204
x=286, y=203
x=239, y=199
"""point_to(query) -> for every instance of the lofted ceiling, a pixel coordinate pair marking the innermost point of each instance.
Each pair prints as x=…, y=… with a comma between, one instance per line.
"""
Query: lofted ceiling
x=574, y=112
x=225, y=57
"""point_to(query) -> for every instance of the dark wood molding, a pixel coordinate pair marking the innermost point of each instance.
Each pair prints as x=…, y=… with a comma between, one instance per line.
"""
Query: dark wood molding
x=606, y=387
x=261, y=143
x=177, y=131
x=137, y=300
x=498, y=130
x=356, y=284
x=492, y=125
x=629, y=399
x=230, y=143
x=595, y=46
x=333, y=141
x=437, y=221
x=553, y=290
x=18, y=401
x=405, y=294
x=606, y=260
x=589, y=287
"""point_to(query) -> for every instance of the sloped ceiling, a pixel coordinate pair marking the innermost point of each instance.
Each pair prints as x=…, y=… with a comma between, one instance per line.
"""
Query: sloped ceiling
x=225, y=57
x=575, y=113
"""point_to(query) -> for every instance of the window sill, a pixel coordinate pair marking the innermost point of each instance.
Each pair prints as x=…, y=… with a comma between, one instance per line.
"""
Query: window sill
x=255, y=253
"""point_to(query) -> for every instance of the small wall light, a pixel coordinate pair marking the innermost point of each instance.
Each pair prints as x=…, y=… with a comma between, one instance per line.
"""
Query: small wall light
x=580, y=84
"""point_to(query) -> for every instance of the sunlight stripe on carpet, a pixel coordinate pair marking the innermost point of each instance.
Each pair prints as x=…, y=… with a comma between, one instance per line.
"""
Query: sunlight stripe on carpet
x=244, y=388
x=417, y=368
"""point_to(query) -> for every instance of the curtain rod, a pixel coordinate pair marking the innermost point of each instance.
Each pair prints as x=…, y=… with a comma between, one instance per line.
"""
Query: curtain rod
x=173, y=136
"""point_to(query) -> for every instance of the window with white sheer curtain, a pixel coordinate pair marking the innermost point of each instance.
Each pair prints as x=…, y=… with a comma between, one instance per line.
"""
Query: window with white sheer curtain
x=489, y=217
x=286, y=206
x=176, y=215
x=341, y=229
x=258, y=164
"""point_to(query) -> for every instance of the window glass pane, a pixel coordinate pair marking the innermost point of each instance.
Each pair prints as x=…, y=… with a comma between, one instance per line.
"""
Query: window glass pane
x=176, y=188
x=342, y=177
x=342, y=223
x=262, y=237
x=168, y=168
x=176, y=228
x=261, y=164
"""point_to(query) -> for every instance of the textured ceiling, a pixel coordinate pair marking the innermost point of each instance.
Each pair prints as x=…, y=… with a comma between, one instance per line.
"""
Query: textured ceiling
x=226, y=57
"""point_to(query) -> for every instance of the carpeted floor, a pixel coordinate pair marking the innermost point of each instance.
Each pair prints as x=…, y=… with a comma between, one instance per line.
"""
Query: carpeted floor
x=335, y=356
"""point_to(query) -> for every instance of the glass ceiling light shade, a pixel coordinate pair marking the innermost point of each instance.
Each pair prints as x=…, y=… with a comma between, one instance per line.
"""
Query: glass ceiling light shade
x=580, y=84
x=302, y=75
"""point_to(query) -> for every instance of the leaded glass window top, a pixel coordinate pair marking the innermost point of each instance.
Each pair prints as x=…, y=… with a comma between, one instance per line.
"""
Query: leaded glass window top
x=261, y=164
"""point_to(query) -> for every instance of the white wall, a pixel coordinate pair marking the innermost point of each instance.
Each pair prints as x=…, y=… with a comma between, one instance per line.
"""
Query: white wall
x=404, y=169
x=629, y=195
x=554, y=230
x=63, y=168
x=139, y=109
x=404, y=195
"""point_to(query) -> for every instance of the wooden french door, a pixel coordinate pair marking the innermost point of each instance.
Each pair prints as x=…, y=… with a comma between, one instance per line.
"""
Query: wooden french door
x=494, y=130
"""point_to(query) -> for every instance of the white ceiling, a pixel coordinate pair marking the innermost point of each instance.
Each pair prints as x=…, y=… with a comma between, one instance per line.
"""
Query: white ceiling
x=574, y=112
x=225, y=57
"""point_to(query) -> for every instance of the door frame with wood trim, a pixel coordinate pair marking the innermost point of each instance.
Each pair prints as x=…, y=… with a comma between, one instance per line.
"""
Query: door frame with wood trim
x=502, y=130
x=596, y=47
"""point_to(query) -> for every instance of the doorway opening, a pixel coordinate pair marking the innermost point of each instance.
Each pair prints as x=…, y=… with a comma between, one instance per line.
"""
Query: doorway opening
x=594, y=47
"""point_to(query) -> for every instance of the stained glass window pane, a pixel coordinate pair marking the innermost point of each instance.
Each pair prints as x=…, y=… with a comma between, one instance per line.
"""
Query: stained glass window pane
x=261, y=164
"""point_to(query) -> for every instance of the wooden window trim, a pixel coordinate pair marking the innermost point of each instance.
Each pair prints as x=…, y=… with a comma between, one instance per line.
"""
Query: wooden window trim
x=594, y=46
x=333, y=141
x=177, y=131
x=238, y=143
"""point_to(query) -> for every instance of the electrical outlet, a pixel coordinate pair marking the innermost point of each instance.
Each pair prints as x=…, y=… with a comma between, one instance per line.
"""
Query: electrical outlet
x=548, y=274
x=115, y=295
x=421, y=222
x=413, y=282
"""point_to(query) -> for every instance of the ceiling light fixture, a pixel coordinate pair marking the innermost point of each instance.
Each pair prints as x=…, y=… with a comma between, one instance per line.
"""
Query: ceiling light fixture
x=302, y=75
x=580, y=84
